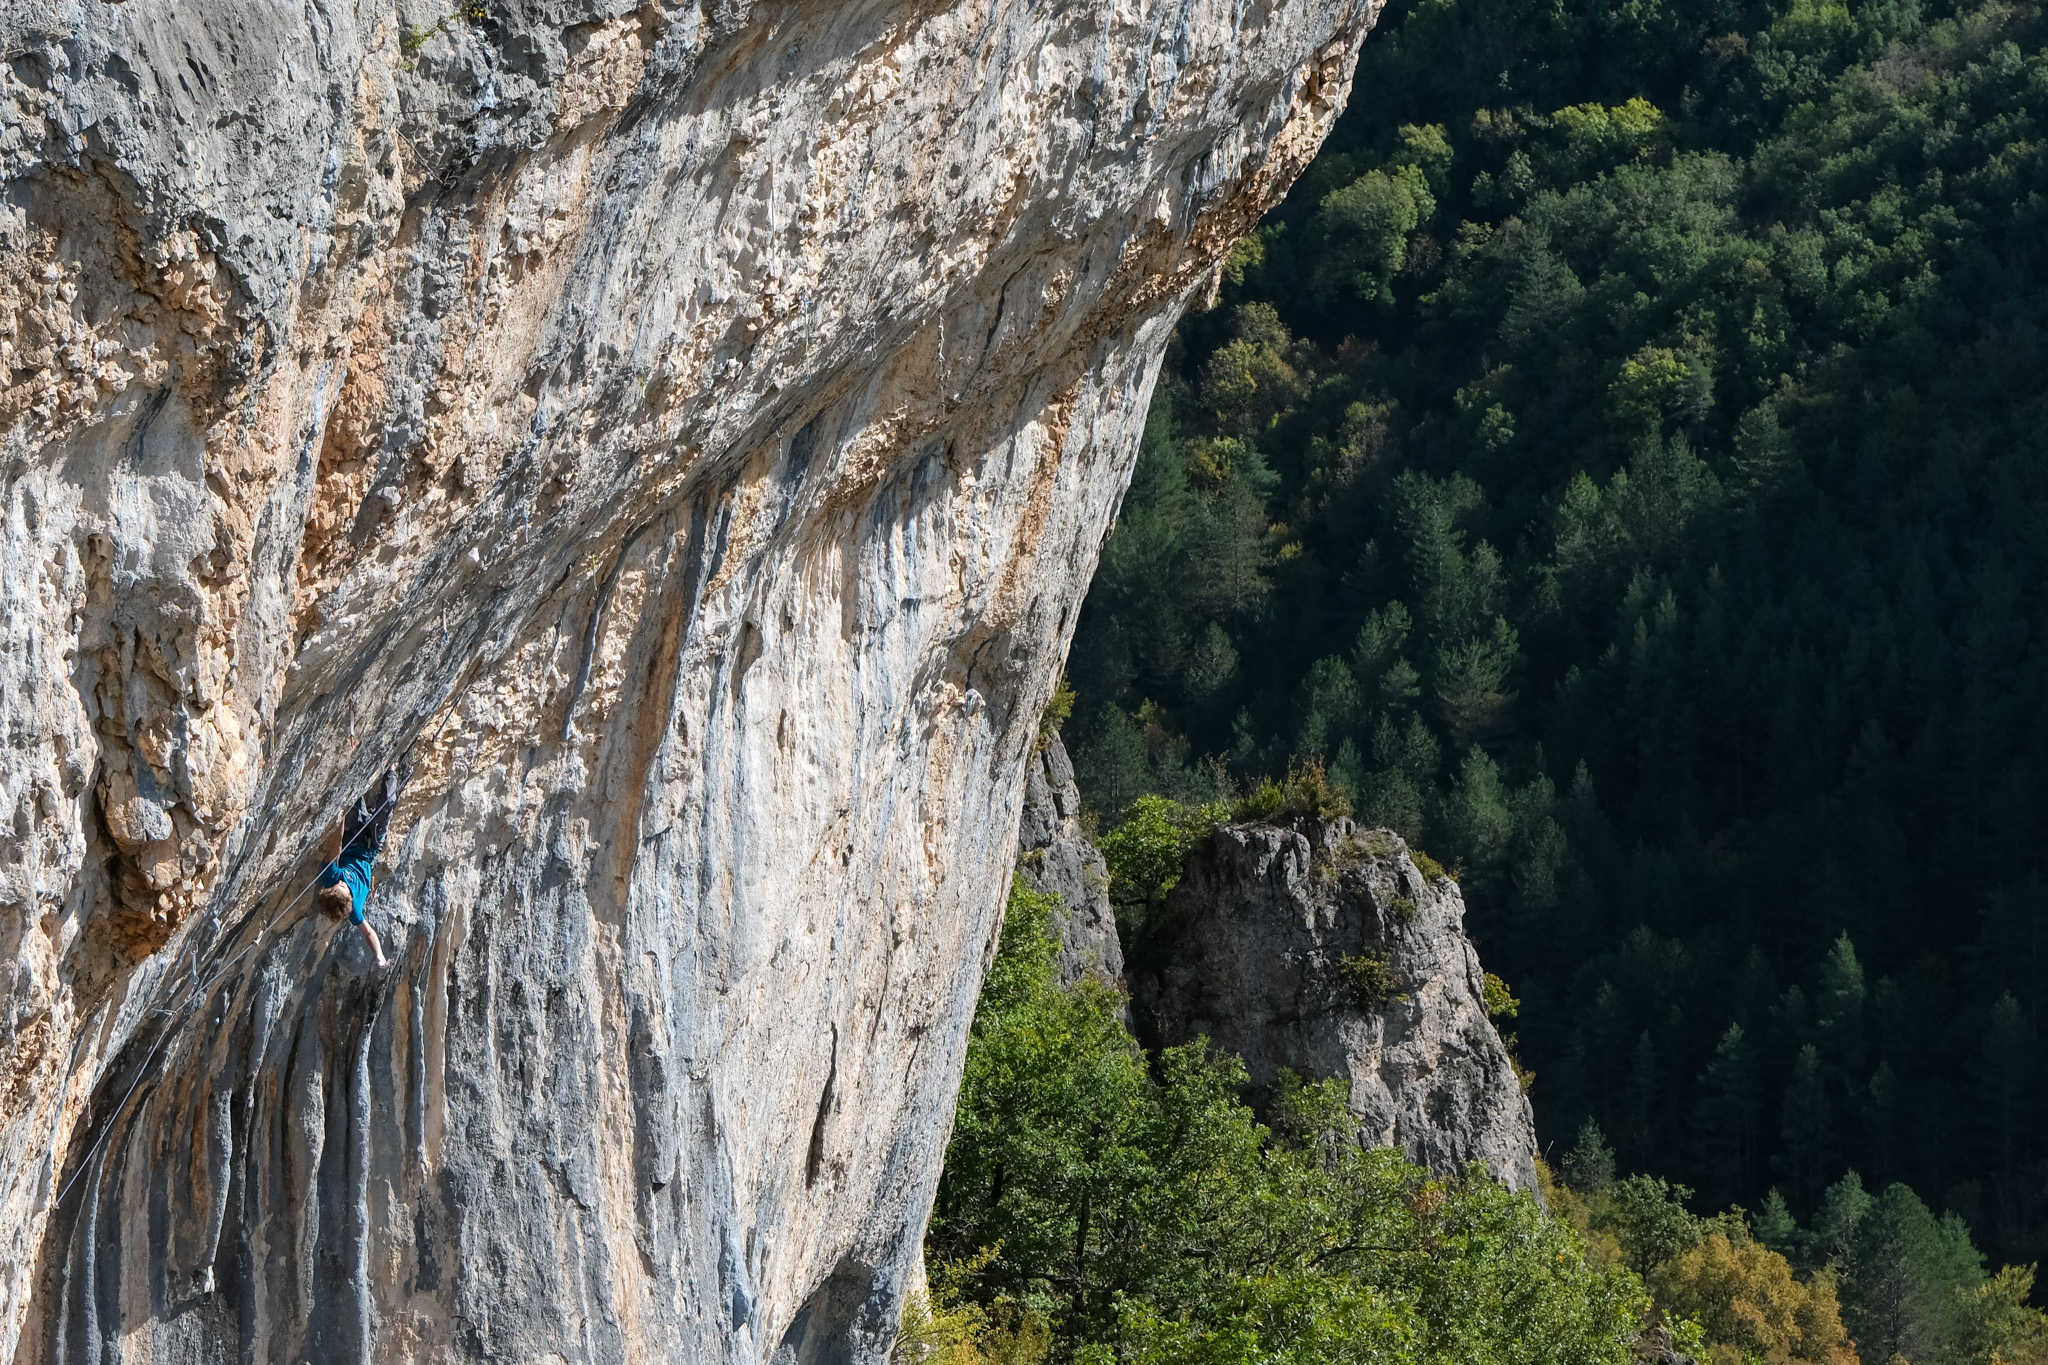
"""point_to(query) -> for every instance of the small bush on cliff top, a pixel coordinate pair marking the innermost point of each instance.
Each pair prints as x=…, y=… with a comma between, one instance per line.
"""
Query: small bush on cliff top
x=1428, y=866
x=1310, y=794
x=1307, y=793
x=1144, y=1215
x=1263, y=802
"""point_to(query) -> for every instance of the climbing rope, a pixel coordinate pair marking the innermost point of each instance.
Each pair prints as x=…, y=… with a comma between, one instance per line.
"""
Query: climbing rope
x=199, y=991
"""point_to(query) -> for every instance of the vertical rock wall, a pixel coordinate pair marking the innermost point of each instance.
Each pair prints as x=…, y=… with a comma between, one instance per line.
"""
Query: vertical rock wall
x=687, y=428
x=1056, y=856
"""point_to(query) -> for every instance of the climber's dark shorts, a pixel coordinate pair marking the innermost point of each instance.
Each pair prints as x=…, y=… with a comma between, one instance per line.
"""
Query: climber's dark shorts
x=363, y=827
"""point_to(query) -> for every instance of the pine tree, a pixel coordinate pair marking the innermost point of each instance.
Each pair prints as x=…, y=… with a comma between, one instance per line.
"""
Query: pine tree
x=1837, y=1222
x=1727, y=1115
x=1909, y=1280
x=1589, y=1165
x=1775, y=1227
x=1113, y=760
x=1838, y=1008
x=1806, y=1127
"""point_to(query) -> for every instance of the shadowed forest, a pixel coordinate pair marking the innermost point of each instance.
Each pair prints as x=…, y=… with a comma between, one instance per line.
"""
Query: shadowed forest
x=1620, y=463
x=1619, y=468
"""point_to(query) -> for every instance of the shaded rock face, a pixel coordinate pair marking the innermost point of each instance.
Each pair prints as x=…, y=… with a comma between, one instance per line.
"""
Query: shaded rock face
x=689, y=429
x=1324, y=950
x=1657, y=1348
x=1054, y=854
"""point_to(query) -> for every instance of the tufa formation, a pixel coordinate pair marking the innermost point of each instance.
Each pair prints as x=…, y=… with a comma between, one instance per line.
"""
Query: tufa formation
x=686, y=430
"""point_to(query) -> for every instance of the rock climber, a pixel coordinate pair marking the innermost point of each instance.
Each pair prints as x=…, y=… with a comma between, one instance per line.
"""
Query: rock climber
x=345, y=882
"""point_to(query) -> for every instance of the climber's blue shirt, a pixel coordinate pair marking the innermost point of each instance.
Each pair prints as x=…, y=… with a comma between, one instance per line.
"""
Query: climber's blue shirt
x=353, y=871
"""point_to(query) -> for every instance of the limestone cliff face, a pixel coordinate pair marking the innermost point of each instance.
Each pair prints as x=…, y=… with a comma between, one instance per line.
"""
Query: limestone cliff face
x=1054, y=854
x=1325, y=950
x=690, y=428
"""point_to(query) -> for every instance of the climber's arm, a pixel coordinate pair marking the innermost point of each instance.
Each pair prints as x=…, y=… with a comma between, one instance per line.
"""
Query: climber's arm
x=370, y=937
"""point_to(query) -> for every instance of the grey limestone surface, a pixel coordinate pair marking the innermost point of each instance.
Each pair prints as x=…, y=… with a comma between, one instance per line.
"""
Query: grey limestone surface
x=1054, y=854
x=1251, y=954
x=688, y=430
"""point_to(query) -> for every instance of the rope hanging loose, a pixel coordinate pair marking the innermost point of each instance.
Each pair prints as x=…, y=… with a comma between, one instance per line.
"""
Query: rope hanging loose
x=199, y=991
x=183, y=1012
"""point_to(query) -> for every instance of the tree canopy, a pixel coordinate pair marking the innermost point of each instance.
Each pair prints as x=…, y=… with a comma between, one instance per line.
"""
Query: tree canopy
x=1620, y=465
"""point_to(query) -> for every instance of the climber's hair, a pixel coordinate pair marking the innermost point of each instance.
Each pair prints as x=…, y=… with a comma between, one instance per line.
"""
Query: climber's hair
x=337, y=901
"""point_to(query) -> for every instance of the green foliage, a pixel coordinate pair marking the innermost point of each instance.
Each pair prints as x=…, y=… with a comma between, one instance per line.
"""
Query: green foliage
x=1362, y=231
x=1500, y=1001
x=1264, y=802
x=1657, y=385
x=1649, y=1219
x=2000, y=1324
x=1025, y=952
x=1248, y=254
x=1141, y=1213
x=1372, y=979
x=1597, y=136
x=1912, y=1285
x=1621, y=465
x=1774, y=1225
x=1909, y=1280
x=1146, y=851
x=1058, y=709
x=1589, y=1166
x=1748, y=1302
x=1725, y=1296
x=1426, y=865
x=414, y=38
x=1308, y=793
x=939, y=1327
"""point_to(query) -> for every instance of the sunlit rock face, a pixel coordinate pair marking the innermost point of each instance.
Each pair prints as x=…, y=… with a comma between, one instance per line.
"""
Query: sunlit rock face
x=1322, y=949
x=688, y=430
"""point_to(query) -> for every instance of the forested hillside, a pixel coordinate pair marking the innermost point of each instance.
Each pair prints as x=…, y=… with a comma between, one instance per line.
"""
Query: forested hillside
x=1620, y=463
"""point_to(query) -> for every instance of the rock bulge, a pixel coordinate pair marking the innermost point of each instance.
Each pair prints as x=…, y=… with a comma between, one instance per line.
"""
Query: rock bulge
x=688, y=429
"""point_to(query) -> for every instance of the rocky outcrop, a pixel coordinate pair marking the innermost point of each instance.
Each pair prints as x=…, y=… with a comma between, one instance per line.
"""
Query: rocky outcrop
x=1055, y=855
x=1325, y=951
x=689, y=429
